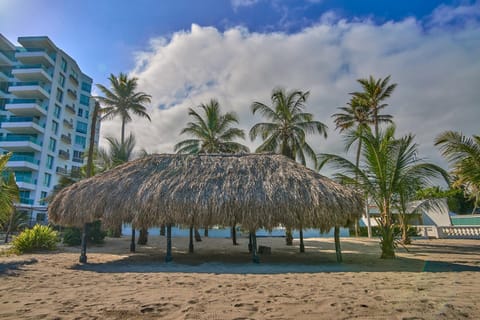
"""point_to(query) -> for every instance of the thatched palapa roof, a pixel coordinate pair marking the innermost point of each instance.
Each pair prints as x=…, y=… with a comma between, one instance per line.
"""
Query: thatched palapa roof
x=254, y=190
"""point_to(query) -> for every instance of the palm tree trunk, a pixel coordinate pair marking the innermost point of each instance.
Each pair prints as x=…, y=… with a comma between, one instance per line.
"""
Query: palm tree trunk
x=338, y=250
x=234, y=235
x=9, y=228
x=375, y=120
x=162, y=230
x=198, y=238
x=190, y=241
x=132, y=241
x=122, y=138
x=205, y=231
x=357, y=164
x=288, y=236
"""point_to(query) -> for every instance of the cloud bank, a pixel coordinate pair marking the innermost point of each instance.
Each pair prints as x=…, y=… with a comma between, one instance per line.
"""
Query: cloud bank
x=435, y=63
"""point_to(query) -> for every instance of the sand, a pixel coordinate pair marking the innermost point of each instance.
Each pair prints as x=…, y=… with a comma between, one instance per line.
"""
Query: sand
x=435, y=279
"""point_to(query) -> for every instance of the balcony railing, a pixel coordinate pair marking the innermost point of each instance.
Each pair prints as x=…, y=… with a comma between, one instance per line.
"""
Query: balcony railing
x=29, y=83
x=62, y=170
x=66, y=139
x=72, y=93
x=70, y=108
x=30, y=159
x=21, y=138
x=64, y=154
x=67, y=123
x=34, y=66
x=22, y=119
x=26, y=180
x=73, y=79
x=9, y=54
x=26, y=201
x=76, y=159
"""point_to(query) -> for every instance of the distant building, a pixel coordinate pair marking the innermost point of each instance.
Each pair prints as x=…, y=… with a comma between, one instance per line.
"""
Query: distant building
x=45, y=117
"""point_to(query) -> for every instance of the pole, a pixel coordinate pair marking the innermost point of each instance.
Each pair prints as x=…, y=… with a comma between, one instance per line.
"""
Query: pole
x=190, y=244
x=255, y=258
x=168, y=257
x=338, y=250
x=369, y=226
x=83, y=250
x=132, y=242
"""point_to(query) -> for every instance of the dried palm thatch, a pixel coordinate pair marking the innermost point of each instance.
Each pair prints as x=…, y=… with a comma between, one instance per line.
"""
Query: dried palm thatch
x=254, y=190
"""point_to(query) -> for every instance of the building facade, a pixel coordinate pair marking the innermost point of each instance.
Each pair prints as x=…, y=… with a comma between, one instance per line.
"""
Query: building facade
x=45, y=117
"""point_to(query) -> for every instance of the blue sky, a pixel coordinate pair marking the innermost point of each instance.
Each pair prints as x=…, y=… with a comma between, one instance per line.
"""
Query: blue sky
x=186, y=52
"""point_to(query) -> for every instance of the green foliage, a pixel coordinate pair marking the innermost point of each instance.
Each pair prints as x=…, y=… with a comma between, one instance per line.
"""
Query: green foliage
x=16, y=222
x=95, y=235
x=35, y=239
x=212, y=132
x=457, y=201
x=376, y=232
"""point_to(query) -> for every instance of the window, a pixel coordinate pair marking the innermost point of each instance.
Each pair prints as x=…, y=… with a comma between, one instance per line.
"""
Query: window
x=47, y=177
x=59, y=95
x=63, y=66
x=85, y=100
x=24, y=194
x=23, y=176
x=61, y=80
x=86, y=86
x=57, y=111
x=43, y=195
x=82, y=127
x=54, y=126
x=80, y=112
x=49, y=162
x=86, y=114
x=77, y=156
x=52, y=144
x=81, y=141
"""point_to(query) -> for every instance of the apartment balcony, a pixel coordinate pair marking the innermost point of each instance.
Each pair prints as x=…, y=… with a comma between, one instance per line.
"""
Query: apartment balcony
x=71, y=108
x=26, y=183
x=26, y=107
x=65, y=155
x=73, y=80
x=7, y=57
x=68, y=124
x=23, y=163
x=24, y=125
x=66, y=139
x=72, y=93
x=34, y=72
x=5, y=75
x=30, y=90
x=26, y=201
x=3, y=94
x=62, y=171
x=20, y=143
x=35, y=56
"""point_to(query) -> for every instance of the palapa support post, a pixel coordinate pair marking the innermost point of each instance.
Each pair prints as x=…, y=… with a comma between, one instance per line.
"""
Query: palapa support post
x=83, y=249
x=190, y=243
x=338, y=250
x=250, y=242
x=132, y=242
x=168, y=257
x=255, y=258
x=302, y=246
x=234, y=235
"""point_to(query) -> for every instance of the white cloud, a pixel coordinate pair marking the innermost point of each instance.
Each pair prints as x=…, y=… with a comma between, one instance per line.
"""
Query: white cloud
x=437, y=71
x=242, y=3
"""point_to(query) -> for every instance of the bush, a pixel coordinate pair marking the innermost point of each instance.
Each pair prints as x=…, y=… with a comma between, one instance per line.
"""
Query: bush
x=37, y=238
x=376, y=232
x=73, y=236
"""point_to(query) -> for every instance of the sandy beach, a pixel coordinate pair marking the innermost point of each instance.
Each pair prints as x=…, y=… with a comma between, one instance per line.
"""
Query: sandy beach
x=434, y=279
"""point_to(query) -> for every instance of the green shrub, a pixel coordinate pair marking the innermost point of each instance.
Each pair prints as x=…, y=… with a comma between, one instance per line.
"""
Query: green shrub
x=73, y=236
x=376, y=232
x=37, y=238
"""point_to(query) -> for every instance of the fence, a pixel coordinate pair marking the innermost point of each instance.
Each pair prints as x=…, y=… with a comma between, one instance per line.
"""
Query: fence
x=450, y=232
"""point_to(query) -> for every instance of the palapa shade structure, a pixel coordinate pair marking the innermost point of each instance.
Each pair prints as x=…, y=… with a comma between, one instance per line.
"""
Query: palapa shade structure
x=253, y=190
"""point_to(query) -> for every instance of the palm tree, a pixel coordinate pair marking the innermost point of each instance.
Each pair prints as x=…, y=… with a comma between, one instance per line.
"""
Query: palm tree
x=389, y=165
x=463, y=153
x=373, y=94
x=117, y=153
x=9, y=193
x=286, y=131
x=122, y=100
x=212, y=132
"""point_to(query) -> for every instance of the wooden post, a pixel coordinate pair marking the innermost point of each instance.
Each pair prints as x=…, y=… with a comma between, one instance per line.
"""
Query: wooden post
x=205, y=231
x=190, y=244
x=302, y=246
x=255, y=258
x=132, y=242
x=83, y=250
x=162, y=230
x=250, y=247
x=338, y=250
x=234, y=235
x=168, y=257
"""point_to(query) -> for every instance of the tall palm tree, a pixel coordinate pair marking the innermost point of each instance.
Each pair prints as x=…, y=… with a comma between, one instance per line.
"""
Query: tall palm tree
x=123, y=100
x=374, y=93
x=212, y=132
x=9, y=193
x=463, y=153
x=388, y=166
x=289, y=124
x=286, y=132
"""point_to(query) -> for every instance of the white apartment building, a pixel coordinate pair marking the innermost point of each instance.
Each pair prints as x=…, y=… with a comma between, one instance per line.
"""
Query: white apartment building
x=45, y=117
